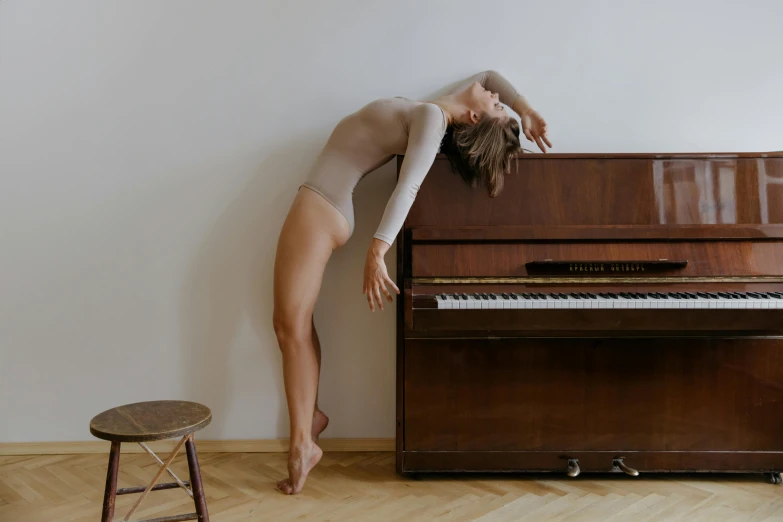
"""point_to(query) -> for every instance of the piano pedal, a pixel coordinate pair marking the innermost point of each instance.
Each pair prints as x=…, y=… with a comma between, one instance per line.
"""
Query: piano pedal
x=619, y=465
x=774, y=477
x=573, y=468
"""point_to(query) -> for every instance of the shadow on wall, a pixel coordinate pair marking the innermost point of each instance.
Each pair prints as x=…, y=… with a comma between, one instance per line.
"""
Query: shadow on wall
x=238, y=373
x=230, y=282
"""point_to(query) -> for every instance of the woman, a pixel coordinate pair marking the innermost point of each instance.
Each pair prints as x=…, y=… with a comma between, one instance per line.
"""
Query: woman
x=469, y=125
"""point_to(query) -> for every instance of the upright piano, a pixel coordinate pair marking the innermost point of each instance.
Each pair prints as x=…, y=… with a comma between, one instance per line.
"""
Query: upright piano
x=605, y=313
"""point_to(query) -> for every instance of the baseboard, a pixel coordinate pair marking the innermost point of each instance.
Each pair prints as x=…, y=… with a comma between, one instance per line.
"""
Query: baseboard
x=204, y=446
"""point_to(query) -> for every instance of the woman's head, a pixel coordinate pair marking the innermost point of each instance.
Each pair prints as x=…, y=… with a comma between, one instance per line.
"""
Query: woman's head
x=482, y=145
x=481, y=102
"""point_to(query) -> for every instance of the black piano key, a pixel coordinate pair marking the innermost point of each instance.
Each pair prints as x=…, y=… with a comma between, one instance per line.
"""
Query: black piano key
x=492, y=296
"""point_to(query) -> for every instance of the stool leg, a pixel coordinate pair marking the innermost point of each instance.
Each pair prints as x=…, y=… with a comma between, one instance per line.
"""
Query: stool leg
x=195, y=481
x=110, y=494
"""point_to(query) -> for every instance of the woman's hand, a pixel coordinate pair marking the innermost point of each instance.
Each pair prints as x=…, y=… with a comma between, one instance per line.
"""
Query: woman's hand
x=376, y=277
x=535, y=128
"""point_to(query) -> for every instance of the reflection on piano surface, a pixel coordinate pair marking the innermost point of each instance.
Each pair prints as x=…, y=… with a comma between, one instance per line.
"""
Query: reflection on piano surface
x=604, y=313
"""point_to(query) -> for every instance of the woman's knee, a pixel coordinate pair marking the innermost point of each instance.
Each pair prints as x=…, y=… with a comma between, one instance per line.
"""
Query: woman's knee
x=291, y=329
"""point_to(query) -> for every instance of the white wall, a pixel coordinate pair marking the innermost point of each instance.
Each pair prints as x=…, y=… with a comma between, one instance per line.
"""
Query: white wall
x=150, y=149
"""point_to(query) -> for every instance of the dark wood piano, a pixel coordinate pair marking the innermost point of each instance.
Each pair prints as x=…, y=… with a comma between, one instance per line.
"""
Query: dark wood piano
x=605, y=313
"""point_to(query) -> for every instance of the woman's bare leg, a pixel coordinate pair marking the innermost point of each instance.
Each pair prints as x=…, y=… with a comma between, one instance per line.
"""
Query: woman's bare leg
x=320, y=420
x=311, y=232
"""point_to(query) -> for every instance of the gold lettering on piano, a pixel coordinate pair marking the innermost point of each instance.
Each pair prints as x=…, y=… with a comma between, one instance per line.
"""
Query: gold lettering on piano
x=626, y=267
x=589, y=267
x=606, y=267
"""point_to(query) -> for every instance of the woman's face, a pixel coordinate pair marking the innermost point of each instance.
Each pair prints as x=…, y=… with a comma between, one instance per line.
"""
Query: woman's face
x=484, y=102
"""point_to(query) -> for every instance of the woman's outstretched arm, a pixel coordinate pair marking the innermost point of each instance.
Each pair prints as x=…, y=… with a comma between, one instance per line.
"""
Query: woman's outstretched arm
x=427, y=128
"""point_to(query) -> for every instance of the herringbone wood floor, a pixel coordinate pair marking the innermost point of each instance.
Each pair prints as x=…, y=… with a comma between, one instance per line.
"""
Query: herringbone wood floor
x=364, y=487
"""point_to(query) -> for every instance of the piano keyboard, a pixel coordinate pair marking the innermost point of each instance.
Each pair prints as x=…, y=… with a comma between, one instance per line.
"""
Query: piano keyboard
x=621, y=300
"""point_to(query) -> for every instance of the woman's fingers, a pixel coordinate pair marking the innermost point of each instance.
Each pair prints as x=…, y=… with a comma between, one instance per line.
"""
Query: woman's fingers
x=388, y=280
x=540, y=145
x=546, y=140
x=386, y=291
x=528, y=135
x=375, y=290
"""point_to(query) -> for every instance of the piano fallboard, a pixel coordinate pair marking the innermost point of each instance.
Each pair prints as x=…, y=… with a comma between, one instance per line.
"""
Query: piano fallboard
x=738, y=258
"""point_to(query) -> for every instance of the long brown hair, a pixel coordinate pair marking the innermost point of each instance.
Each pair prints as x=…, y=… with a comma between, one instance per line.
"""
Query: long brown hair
x=482, y=153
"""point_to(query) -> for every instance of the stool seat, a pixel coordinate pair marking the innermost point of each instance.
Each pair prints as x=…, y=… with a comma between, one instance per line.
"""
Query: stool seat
x=151, y=420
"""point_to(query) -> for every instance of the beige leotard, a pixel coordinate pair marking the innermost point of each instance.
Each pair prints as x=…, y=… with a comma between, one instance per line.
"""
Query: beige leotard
x=370, y=137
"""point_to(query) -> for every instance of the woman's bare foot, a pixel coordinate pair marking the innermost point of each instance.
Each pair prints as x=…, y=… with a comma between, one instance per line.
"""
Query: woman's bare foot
x=301, y=460
x=320, y=422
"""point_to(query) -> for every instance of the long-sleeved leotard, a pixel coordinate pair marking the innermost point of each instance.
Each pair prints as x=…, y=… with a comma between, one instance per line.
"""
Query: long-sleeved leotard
x=370, y=137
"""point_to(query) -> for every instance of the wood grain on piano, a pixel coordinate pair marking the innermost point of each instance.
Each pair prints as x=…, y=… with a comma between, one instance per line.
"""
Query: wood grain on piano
x=705, y=258
x=526, y=390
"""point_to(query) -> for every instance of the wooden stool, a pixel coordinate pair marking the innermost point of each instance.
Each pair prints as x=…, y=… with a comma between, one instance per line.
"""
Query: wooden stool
x=147, y=421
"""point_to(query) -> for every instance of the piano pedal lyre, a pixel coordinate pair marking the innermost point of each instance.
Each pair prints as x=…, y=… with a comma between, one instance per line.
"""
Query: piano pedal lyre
x=619, y=465
x=573, y=468
x=774, y=477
